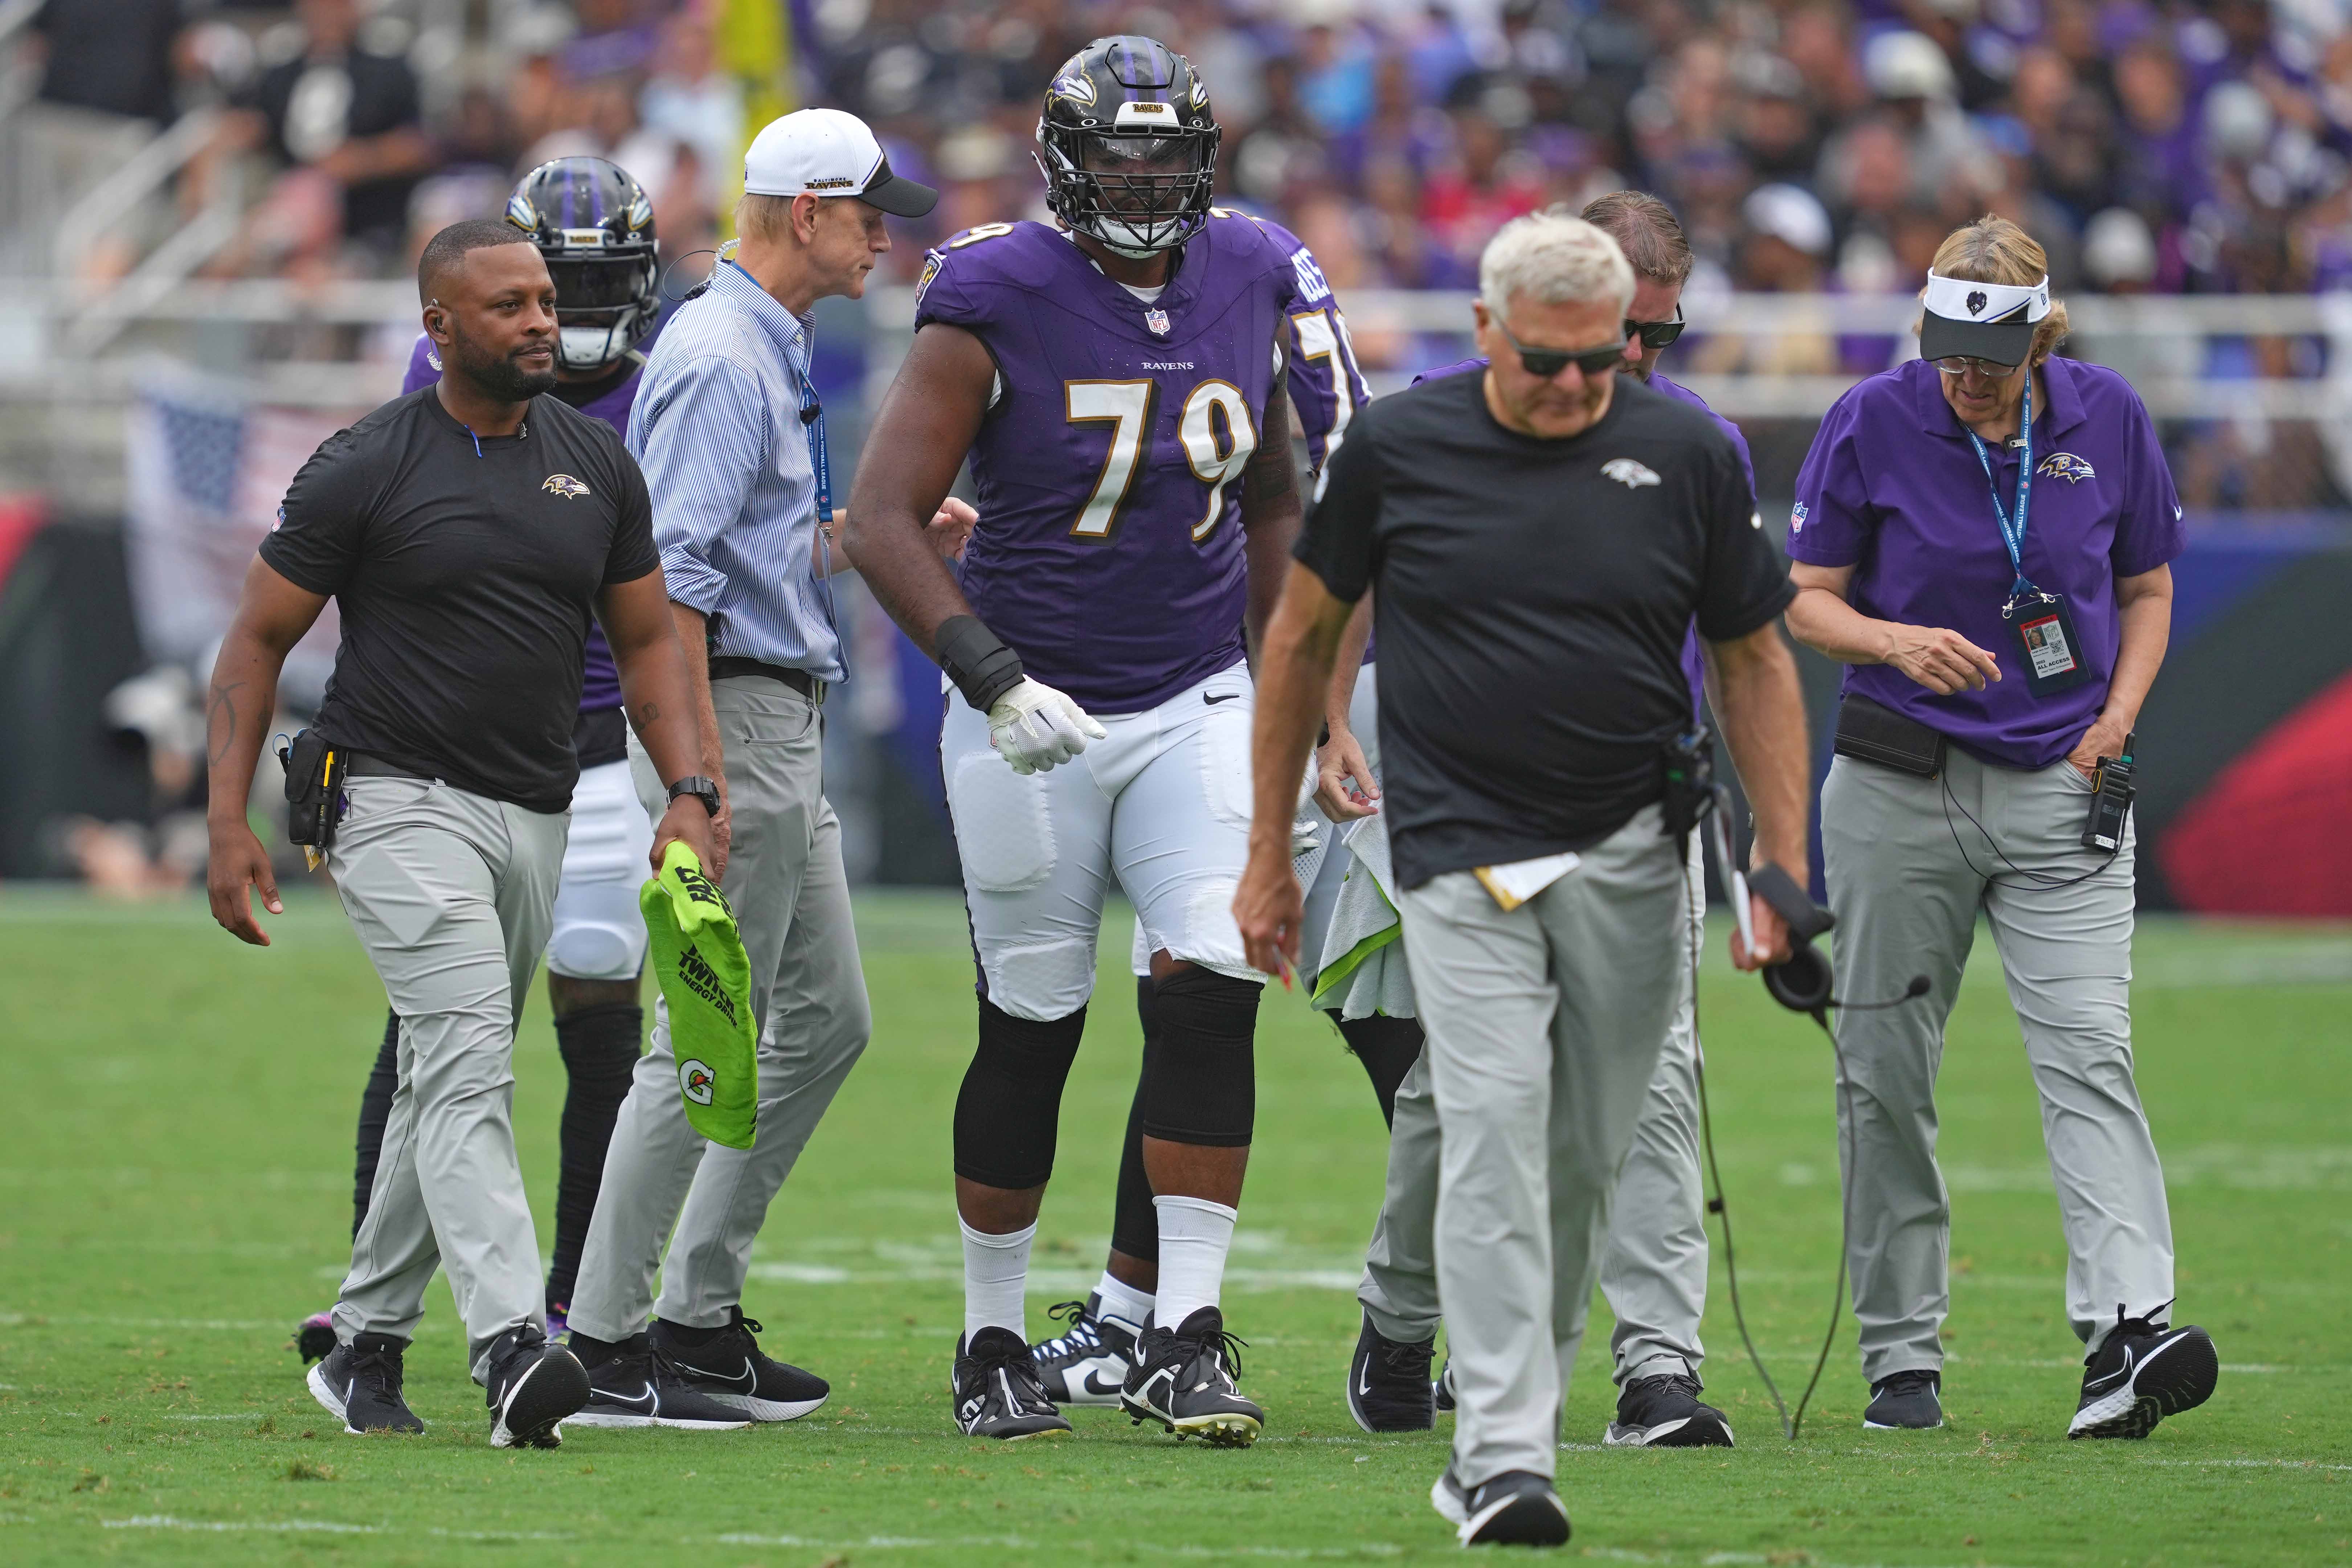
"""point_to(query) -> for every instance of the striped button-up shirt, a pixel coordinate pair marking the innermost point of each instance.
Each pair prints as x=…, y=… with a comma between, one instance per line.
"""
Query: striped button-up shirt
x=717, y=428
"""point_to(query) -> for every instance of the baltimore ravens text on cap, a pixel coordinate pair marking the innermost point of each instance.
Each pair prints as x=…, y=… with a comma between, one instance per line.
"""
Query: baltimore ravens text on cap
x=828, y=153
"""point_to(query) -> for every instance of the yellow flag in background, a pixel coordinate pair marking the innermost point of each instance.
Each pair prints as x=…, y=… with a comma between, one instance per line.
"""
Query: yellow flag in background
x=754, y=39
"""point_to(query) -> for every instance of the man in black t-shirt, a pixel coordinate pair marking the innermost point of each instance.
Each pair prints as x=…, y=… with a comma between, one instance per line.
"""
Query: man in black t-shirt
x=1542, y=537
x=467, y=532
x=344, y=111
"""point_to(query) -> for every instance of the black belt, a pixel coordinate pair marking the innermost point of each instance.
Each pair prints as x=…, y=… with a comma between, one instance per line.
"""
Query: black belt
x=800, y=680
x=361, y=765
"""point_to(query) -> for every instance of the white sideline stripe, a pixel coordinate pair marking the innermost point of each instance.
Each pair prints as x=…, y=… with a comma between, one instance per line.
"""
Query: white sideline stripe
x=224, y=1325
x=322, y=1526
x=233, y=1415
x=2249, y=1464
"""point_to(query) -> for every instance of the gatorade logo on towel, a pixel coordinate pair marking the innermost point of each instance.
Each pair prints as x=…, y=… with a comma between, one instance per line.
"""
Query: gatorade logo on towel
x=706, y=983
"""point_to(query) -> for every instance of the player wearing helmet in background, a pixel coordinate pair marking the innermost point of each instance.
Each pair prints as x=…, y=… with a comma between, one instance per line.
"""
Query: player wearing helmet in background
x=593, y=226
x=1123, y=386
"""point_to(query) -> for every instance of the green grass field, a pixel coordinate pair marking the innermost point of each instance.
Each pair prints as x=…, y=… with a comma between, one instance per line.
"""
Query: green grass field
x=175, y=1117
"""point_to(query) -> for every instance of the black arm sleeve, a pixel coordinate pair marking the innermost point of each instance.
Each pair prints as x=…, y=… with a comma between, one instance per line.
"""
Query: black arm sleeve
x=322, y=523
x=1745, y=585
x=1336, y=543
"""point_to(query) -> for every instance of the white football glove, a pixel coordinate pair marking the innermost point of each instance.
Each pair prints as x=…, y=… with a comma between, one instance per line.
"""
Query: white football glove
x=1034, y=727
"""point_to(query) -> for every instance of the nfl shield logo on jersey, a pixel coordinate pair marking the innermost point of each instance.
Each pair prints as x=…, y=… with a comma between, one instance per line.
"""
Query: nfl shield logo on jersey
x=1157, y=320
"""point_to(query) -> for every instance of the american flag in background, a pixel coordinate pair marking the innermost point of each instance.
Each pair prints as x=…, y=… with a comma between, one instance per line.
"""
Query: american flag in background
x=207, y=469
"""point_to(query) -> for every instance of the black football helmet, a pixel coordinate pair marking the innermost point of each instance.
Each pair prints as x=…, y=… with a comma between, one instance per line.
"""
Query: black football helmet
x=1128, y=145
x=595, y=225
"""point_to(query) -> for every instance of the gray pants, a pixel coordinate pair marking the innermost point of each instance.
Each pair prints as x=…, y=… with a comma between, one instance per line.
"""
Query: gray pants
x=791, y=896
x=1544, y=1026
x=453, y=896
x=1654, y=1270
x=1906, y=897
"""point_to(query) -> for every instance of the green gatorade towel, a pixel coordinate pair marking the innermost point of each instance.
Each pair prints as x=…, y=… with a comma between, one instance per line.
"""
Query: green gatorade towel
x=706, y=979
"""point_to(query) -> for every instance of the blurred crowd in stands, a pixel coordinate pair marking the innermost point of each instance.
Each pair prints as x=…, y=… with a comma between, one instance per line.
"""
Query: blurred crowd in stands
x=2154, y=145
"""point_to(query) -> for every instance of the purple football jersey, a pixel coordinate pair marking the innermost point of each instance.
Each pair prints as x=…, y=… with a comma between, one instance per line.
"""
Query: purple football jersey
x=1694, y=661
x=600, y=686
x=1109, y=553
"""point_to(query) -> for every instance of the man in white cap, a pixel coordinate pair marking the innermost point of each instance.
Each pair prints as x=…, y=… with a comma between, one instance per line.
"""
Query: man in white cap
x=731, y=436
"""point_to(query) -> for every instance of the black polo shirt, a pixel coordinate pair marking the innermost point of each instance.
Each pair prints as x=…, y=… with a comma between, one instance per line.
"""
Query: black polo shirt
x=1532, y=600
x=466, y=574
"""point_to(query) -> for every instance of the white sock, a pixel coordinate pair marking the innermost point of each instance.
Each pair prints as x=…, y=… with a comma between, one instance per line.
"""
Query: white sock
x=1122, y=1300
x=995, y=1273
x=1194, y=1237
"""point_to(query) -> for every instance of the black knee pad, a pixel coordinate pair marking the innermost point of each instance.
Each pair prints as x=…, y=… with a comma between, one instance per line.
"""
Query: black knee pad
x=1200, y=1070
x=1134, y=1223
x=1010, y=1107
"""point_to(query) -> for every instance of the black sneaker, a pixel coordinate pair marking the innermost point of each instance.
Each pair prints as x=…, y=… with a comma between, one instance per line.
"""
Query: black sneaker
x=359, y=1382
x=1388, y=1388
x=1088, y=1362
x=1664, y=1412
x=1183, y=1379
x=534, y=1386
x=1517, y=1508
x=996, y=1391
x=636, y=1387
x=1909, y=1401
x=2144, y=1372
x=729, y=1368
x=1441, y=1391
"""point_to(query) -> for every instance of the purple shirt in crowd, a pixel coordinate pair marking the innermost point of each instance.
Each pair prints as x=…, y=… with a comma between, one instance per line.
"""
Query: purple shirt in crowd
x=1892, y=488
x=1694, y=661
x=601, y=685
x=1108, y=552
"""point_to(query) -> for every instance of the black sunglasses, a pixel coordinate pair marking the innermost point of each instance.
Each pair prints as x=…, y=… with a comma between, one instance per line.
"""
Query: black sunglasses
x=1656, y=334
x=1545, y=363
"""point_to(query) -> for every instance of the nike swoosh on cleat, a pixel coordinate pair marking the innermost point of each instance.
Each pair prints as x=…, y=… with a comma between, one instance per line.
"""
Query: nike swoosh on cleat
x=646, y=1399
x=748, y=1379
x=1092, y=1383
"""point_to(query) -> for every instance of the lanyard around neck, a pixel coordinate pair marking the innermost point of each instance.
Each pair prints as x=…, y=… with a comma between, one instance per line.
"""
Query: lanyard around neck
x=2012, y=534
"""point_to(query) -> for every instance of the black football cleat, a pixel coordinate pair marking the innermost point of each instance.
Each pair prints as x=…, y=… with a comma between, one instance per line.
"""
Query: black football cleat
x=636, y=1386
x=1388, y=1389
x=1183, y=1379
x=359, y=1382
x=729, y=1368
x=1664, y=1412
x=1441, y=1391
x=534, y=1387
x=996, y=1390
x=2142, y=1374
x=1907, y=1401
x=1088, y=1362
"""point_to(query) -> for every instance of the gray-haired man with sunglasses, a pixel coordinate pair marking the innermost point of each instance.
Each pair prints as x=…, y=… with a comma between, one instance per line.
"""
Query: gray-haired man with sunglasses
x=1654, y=1270
x=1542, y=537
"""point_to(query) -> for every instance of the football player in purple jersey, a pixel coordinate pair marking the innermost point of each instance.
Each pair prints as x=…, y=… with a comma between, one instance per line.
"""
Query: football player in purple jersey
x=1654, y=1272
x=1123, y=382
x=594, y=227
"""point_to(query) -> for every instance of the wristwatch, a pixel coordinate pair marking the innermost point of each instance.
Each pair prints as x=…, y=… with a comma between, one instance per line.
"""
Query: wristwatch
x=701, y=789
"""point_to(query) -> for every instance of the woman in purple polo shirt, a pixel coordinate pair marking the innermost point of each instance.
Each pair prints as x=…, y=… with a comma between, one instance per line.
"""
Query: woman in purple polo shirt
x=1983, y=536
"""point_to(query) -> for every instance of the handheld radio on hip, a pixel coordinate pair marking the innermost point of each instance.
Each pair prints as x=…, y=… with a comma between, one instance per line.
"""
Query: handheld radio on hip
x=2110, y=800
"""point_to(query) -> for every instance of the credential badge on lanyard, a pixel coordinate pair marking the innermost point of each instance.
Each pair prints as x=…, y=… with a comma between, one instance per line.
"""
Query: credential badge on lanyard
x=2045, y=630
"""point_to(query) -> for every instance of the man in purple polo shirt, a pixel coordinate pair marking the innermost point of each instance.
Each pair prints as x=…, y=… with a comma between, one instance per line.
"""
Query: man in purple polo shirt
x=1654, y=1272
x=1983, y=536
x=594, y=224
